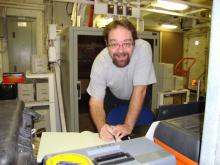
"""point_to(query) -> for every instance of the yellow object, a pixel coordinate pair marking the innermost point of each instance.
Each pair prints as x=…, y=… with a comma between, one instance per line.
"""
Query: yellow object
x=194, y=82
x=68, y=158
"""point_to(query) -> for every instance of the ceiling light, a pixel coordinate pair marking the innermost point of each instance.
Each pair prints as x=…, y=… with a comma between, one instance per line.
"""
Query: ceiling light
x=196, y=42
x=170, y=5
x=169, y=26
x=162, y=11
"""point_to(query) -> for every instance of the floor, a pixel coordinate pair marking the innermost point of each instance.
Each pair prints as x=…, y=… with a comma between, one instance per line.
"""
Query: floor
x=86, y=123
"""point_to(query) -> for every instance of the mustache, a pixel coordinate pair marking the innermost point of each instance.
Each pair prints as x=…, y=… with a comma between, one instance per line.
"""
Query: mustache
x=121, y=63
x=121, y=54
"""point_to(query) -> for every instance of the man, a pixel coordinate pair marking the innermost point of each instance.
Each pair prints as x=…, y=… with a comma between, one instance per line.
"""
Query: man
x=125, y=68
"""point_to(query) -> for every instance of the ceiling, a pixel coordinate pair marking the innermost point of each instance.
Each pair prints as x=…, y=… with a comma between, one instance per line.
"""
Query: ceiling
x=198, y=14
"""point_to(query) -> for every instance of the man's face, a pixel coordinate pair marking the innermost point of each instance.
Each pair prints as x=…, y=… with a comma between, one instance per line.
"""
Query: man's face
x=120, y=46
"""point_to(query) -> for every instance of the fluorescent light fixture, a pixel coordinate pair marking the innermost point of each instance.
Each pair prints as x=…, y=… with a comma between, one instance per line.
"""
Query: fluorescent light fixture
x=170, y=5
x=169, y=26
x=162, y=11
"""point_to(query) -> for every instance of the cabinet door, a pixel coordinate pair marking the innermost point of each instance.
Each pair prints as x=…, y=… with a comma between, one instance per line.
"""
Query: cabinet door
x=21, y=43
x=88, y=48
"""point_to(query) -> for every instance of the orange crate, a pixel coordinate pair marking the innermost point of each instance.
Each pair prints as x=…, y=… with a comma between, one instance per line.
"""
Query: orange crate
x=13, y=78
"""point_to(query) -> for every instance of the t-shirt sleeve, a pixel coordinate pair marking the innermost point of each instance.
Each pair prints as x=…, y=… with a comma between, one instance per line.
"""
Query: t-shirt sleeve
x=144, y=73
x=97, y=84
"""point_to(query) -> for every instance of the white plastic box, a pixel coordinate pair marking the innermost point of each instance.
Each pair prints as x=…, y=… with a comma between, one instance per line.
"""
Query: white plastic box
x=44, y=121
x=179, y=82
x=168, y=100
x=165, y=70
x=165, y=84
x=39, y=64
x=26, y=92
x=42, y=92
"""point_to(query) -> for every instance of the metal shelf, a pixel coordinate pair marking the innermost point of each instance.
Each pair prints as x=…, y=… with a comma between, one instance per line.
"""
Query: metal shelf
x=38, y=75
x=52, y=98
x=36, y=103
x=161, y=95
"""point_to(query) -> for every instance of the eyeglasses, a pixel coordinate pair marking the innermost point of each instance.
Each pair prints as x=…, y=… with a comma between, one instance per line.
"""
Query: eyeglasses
x=123, y=45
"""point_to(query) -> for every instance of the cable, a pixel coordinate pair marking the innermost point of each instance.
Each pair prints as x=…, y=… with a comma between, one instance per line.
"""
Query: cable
x=69, y=13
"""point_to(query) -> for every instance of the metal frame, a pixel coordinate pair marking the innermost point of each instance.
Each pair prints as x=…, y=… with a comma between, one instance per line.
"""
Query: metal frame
x=53, y=110
x=161, y=95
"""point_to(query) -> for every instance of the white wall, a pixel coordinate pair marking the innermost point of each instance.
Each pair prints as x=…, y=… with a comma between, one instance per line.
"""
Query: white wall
x=4, y=65
x=1, y=67
x=200, y=53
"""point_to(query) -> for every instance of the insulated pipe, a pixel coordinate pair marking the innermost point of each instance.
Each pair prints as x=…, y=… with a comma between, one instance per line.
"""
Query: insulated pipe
x=74, y=14
x=91, y=13
x=60, y=98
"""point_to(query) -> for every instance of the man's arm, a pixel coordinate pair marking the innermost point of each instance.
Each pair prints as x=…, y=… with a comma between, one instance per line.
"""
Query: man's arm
x=135, y=106
x=97, y=112
x=99, y=118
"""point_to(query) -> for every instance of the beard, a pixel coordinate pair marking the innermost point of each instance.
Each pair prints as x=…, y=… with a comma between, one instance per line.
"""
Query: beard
x=121, y=59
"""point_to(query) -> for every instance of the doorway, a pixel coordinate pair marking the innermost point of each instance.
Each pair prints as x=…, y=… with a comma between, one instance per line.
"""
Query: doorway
x=89, y=47
x=21, y=37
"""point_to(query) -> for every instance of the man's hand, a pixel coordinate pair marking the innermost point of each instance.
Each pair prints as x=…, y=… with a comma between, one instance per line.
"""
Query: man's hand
x=106, y=133
x=121, y=130
x=109, y=132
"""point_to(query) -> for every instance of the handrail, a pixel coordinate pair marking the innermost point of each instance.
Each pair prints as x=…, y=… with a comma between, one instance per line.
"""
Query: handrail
x=184, y=72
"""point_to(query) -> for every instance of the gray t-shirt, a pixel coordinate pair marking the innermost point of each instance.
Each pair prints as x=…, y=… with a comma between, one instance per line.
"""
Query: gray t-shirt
x=139, y=71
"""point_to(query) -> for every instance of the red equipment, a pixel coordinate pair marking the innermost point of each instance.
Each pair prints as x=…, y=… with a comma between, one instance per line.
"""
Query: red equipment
x=183, y=67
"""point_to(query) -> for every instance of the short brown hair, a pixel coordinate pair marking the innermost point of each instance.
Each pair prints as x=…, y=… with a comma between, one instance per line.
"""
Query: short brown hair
x=124, y=23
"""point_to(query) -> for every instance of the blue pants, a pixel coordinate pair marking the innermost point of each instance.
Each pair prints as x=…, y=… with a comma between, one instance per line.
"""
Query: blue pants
x=116, y=111
x=118, y=114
